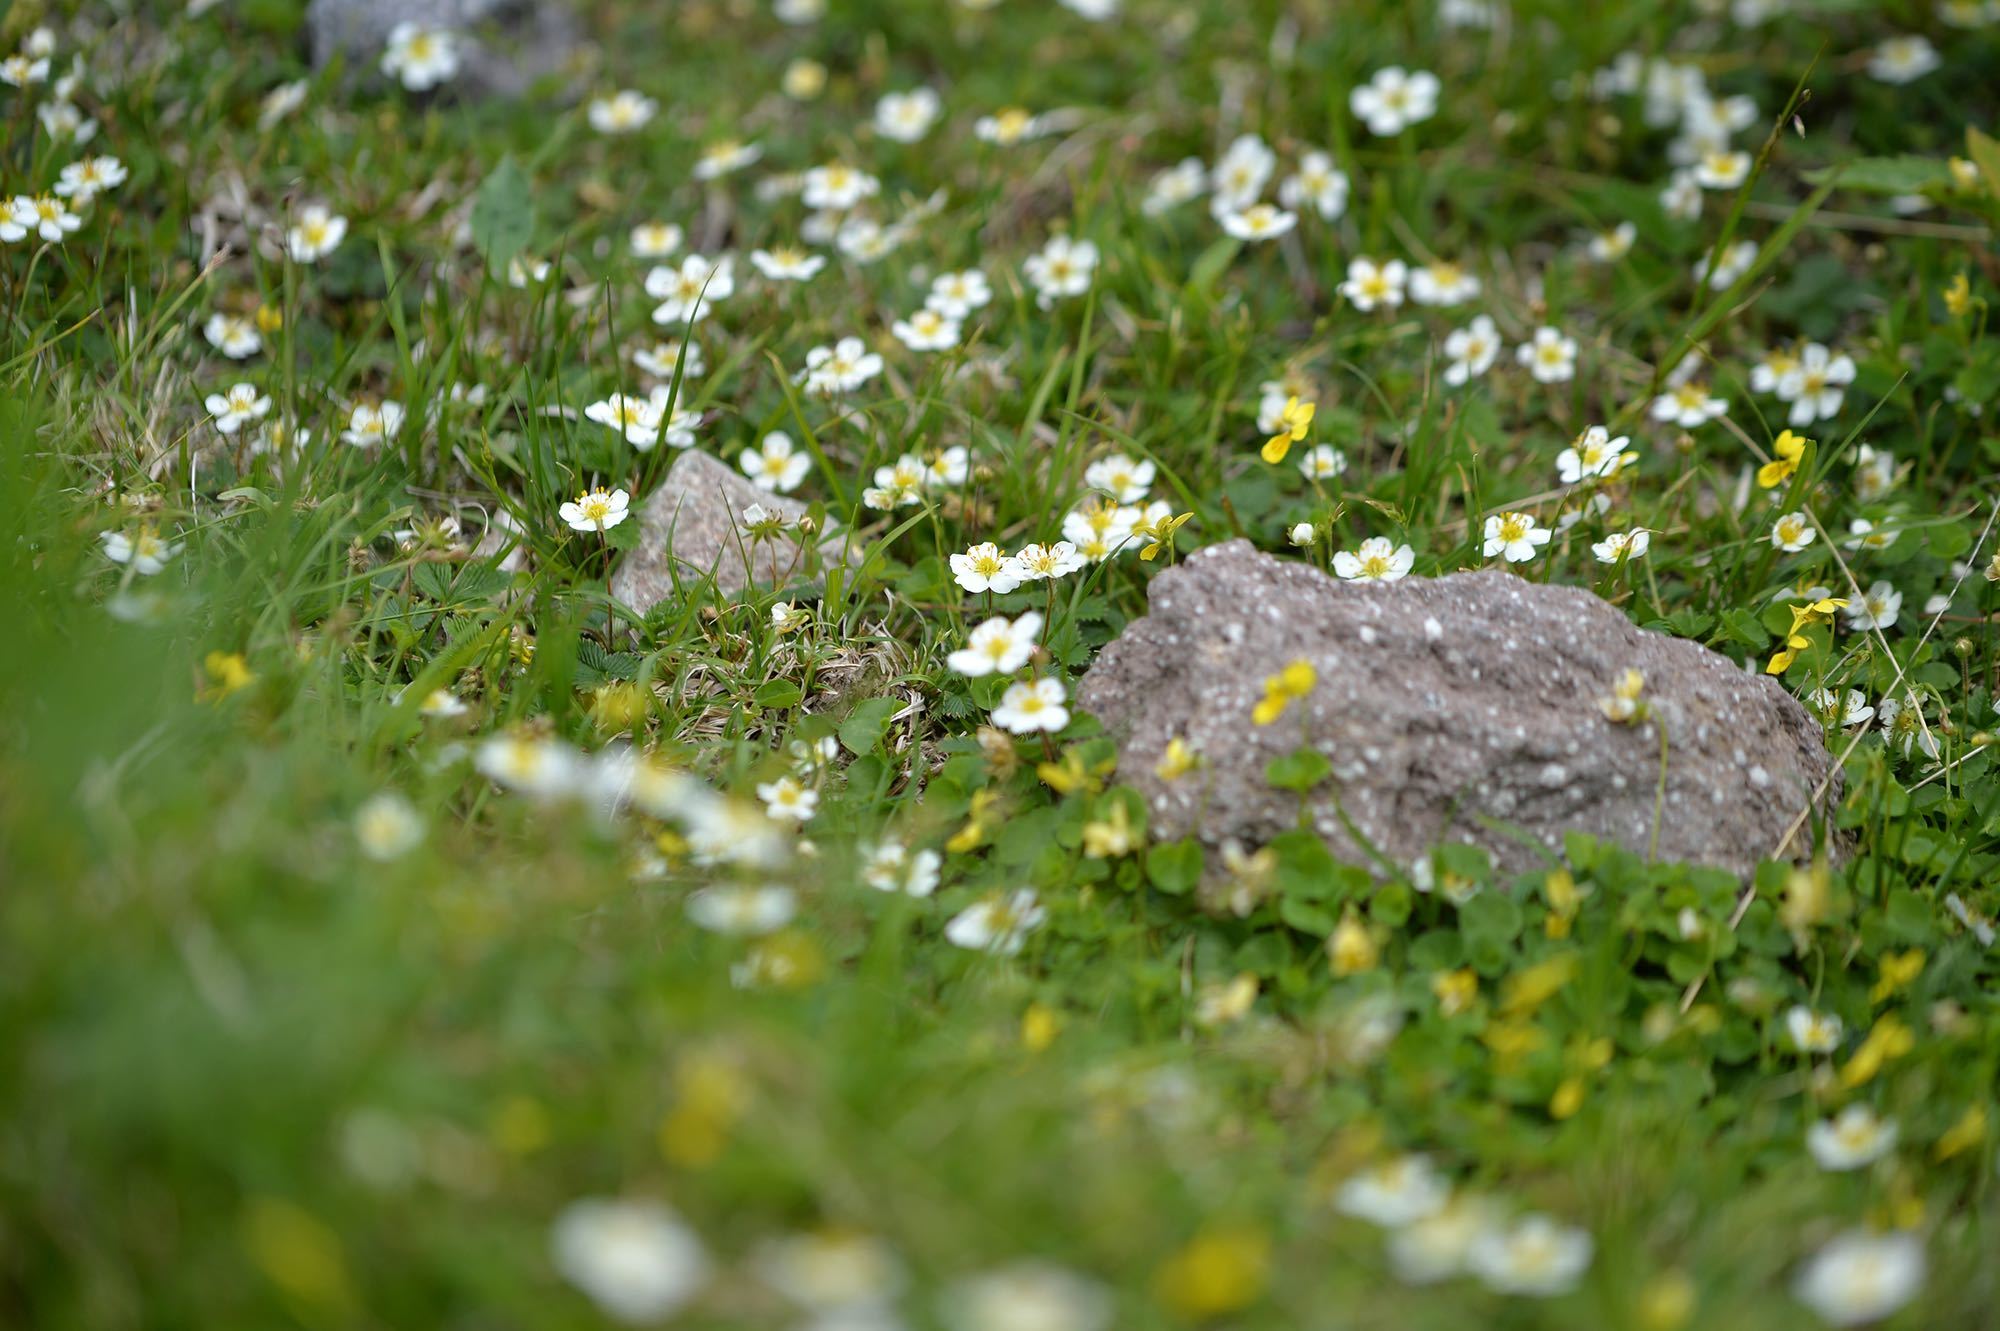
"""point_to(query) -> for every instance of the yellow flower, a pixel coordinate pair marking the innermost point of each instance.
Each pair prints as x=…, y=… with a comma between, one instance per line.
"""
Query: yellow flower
x=1352, y=948
x=298, y=1252
x=1560, y=891
x=711, y=1094
x=1529, y=989
x=1109, y=838
x=1219, y=1272
x=519, y=1125
x=1177, y=761
x=1623, y=706
x=1667, y=1302
x=1293, y=422
x=270, y=318
x=1897, y=970
x=804, y=80
x=1567, y=1099
x=1962, y=1136
x=1455, y=990
x=1889, y=1039
x=1162, y=533
x=1039, y=1027
x=1804, y=615
x=227, y=672
x=1958, y=297
x=1221, y=1004
x=974, y=830
x=1791, y=449
x=1281, y=690
x=1808, y=894
x=1070, y=775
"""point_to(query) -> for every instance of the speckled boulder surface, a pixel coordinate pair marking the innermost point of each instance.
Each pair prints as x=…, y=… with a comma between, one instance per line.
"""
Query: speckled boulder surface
x=692, y=526
x=1461, y=708
x=506, y=45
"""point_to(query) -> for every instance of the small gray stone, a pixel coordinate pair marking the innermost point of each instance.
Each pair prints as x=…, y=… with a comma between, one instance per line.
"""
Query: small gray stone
x=1461, y=708
x=692, y=526
x=506, y=46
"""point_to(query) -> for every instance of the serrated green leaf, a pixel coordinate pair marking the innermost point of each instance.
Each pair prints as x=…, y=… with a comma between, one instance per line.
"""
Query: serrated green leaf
x=503, y=215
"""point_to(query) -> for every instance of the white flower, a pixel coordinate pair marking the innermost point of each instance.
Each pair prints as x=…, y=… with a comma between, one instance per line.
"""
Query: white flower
x=1550, y=358
x=1009, y=126
x=1621, y=546
x=1393, y=100
x=64, y=123
x=998, y=924
x=1471, y=351
x=597, y=510
x=21, y=69
x=236, y=408
x=907, y=116
x=721, y=158
x=1322, y=462
x=233, y=335
x=1681, y=199
x=865, y=240
x=1394, y=1193
x=372, y=423
x=986, y=568
x=633, y=417
x=1613, y=245
x=622, y=112
x=926, y=330
x=442, y=705
x=1792, y=532
x=1849, y=709
x=837, y=187
x=1816, y=385
x=946, y=468
x=1533, y=1256
x=1903, y=59
x=742, y=909
x=1860, y=1277
x=655, y=240
x=1435, y=1247
x=542, y=768
x=955, y=295
x=143, y=550
x=1042, y=563
x=831, y=1273
x=1595, y=454
x=420, y=57
x=1374, y=560
x=1033, y=705
x=890, y=867
x=1723, y=168
x=1178, y=184
x=1515, y=536
x=524, y=271
x=776, y=464
x=999, y=646
x=1735, y=262
x=1370, y=284
x=636, y=1260
x=687, y=293
x=1876, y=610
x=1442, y=284
x=1063, y=268
x=1813, y=1032
x=281, y=101
x=43, y=215
x=840, y=368
x=1260, y=221
x=386, y=827
x=799, y=12
x=1688, y=405
x=1318, y=184
x=1302, y=534
x=1120, y=477
x=314, y=234
x=86, y=179
x=1853, y=1138
x=786, y=798
x=1027, y=1296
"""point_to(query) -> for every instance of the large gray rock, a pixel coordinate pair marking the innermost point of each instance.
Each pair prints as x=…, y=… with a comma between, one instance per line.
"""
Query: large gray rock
x=692, y=527
x=506, y=45
x=1451, y=709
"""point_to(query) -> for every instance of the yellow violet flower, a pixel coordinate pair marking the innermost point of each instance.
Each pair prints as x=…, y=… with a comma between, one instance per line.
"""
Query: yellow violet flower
x=1283, y=689
x=1219, y=1272
x=1162, y=533
x=1039, y=1027
x=1962, y=1136
x=1109, y=838
x=227, y=672
x=1958, y=297
x=1455, y=990
x=1352, y=948
x=1898, y=970
x=1804, y=615
x=1293, y=422
x=1177, y=761
x=1889, y=1039
x=1790, y=449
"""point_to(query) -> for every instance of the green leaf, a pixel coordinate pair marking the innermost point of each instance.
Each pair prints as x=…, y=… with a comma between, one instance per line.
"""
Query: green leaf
x=1305, y=866
x=503, y=215
x=1490, y=917
x=625, y=536
x=864, y=727
x=1174, y=867
x=1306, y=917
x=1984, y=150
x=1299, y=770
x=778, y=693
x=1884, y=175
